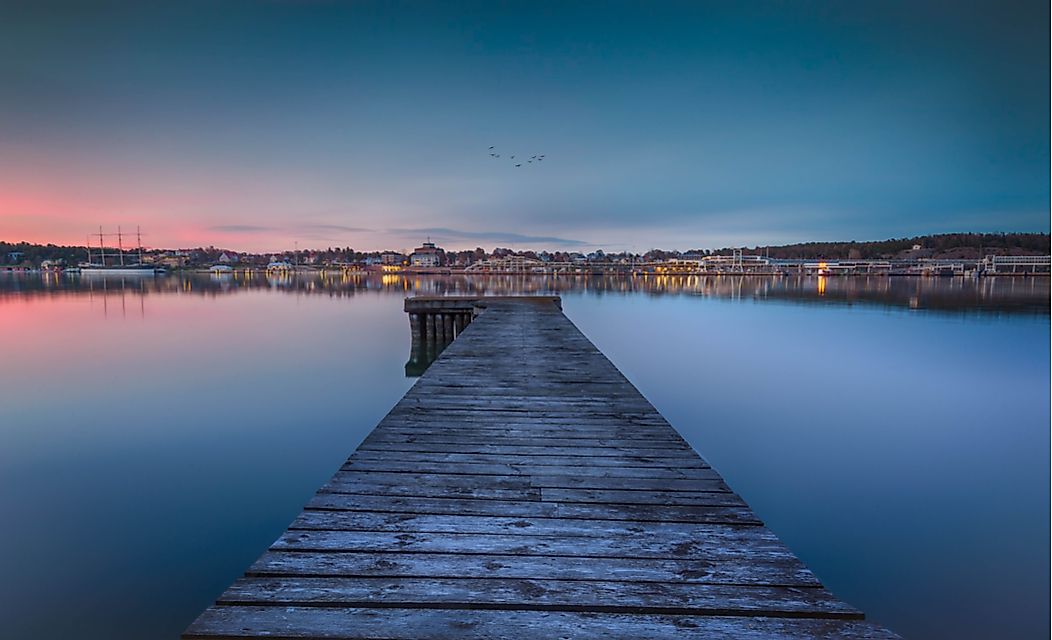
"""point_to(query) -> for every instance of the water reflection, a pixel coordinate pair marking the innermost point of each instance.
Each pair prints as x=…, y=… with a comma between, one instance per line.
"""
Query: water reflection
x=1025, y=295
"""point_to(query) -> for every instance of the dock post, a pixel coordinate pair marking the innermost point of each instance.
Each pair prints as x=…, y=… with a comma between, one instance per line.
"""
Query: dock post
x=415, y=330
x=447, y=325
x=430, y=328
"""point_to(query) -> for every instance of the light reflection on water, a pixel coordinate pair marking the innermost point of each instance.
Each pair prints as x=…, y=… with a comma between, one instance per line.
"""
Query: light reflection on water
x=965, y=295
x=157, y=434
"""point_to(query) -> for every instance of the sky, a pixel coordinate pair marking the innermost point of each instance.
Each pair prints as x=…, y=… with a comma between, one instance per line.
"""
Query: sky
x=258, y=125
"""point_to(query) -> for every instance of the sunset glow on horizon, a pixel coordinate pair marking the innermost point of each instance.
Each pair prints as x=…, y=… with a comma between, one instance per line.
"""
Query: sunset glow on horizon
x=260, y=126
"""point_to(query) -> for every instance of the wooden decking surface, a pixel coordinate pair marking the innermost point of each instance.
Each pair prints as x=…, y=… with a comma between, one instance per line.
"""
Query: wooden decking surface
x=523, y=488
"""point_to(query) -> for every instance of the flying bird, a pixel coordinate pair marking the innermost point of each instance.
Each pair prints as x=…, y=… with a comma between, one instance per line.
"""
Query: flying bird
x=538, y=157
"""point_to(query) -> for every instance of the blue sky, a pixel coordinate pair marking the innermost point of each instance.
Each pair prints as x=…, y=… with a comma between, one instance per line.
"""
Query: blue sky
x=256, y=124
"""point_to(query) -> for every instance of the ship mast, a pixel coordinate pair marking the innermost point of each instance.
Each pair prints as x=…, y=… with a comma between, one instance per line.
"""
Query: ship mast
x=138, y=237
x=102, y=248
x=120, y=245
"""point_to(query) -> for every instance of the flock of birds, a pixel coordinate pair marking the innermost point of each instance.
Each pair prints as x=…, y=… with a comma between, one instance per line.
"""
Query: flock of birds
x=530, y=160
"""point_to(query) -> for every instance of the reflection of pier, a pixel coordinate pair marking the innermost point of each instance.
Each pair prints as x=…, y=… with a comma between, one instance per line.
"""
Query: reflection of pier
x=523, y=488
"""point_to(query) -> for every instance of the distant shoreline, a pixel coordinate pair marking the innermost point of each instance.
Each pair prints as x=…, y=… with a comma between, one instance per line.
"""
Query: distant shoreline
x=582, y=273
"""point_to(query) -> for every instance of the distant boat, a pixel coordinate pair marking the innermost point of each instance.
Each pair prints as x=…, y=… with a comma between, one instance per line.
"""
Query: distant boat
x=279, y=266
x=221, y=269
x=100, y=268
x=120, y=270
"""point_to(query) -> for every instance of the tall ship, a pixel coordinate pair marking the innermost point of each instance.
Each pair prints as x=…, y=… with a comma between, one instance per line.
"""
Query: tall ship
x=118, y=261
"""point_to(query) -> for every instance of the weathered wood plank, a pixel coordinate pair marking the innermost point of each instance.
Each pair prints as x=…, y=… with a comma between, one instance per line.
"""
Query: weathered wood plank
x=456, y=522
x=669, y=454
x=637, y=497
x=462, y=624
x=556, y=478
x=447, y=490
x=761, y=570
x=504, y=469
x=726, y=507
x=719, y=542
x=541, y=595
x=577, y=461
x=656, y=442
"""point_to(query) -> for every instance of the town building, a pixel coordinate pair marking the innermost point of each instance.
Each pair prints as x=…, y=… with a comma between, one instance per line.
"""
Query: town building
x=426, y=256
x=392, y=258
x=507, y=264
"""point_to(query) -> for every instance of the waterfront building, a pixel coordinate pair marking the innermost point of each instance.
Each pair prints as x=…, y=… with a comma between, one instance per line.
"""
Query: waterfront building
x=506, y=264
x=391, y=258
x=737, y=263
x=173, y=260
x=678, y=266
x=1016, y=264
x=426, y=256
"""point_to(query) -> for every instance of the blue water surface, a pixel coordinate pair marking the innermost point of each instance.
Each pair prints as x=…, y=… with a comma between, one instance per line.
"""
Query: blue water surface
x=156, y=437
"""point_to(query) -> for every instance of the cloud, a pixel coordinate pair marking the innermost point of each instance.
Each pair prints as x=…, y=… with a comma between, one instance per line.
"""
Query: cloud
x=492, y=236
x=308, y=228
x=334, y=227
x=241, y=228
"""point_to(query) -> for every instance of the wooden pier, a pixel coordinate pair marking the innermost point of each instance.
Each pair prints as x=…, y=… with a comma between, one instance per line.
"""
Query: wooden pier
x=523, y=488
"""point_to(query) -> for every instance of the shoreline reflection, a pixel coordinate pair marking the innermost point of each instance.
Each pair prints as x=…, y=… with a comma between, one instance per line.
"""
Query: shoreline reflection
x=1015, y=295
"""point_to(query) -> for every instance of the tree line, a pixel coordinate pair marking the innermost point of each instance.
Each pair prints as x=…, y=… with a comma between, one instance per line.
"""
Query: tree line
x=979, y=243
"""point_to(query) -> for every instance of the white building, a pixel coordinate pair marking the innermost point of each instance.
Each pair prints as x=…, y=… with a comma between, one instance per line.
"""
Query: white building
x=507, y=264
x=426, y=256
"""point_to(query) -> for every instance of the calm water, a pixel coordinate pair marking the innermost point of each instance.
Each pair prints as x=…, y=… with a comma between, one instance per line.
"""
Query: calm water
x=156, y=435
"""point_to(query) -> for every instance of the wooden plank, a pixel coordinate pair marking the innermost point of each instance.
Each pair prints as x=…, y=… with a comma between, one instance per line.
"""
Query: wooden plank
x=577, y=461
x=503, y=469
x=669, y=454
x=547, y=430
x=456, y=522
x=464, y=624
x=659, y=443
x=446, y=490
x=541, y=595
x=729, y=508
x=761, y=570
x=719, y=542
x=499, y=468
x=557, y=478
